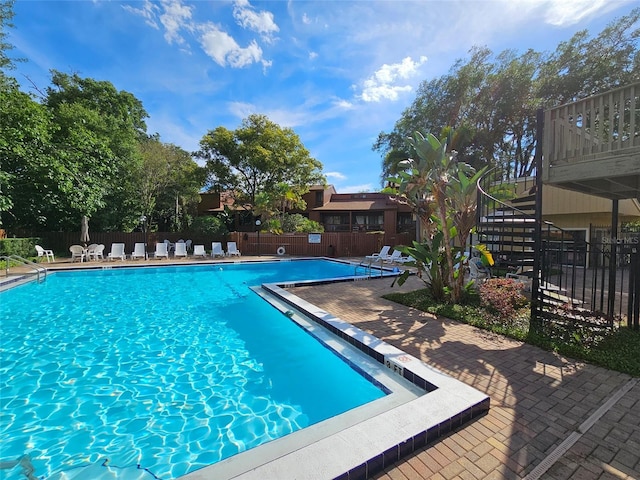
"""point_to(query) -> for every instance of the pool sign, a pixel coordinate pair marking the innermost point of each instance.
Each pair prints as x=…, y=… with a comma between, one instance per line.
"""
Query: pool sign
x=315, y=238
x=394, y=363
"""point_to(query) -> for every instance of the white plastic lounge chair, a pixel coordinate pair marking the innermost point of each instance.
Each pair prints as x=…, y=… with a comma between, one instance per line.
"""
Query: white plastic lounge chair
x=42, y=252
x=216, y=250
x=77, y=253
x=382, y=255
x=138, y=251
x=198, y=251
x=117, y=252
x=232, y=249
x=161, y=251
x=97, y=253
x=396, y=257
x=181, y=250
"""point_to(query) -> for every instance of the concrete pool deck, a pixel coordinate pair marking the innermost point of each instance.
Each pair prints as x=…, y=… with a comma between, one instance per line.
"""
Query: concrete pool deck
x=579, y=420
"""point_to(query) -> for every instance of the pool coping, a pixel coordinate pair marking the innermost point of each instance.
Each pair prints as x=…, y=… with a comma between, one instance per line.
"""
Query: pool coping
x=446, y=406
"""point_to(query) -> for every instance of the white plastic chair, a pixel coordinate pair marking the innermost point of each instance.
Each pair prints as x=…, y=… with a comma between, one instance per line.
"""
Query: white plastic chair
x=117, y=252
x=383, y=254
x=396, y=257
x=161, y=251
x=232, y=249
x=188, y=243
x=478, y=271
x=216, y=250
x=42, y=252
x=181, y=250
x=77, y=253
x=198, y=251
x=138, y=251
x=97, y=253
x=91, y=249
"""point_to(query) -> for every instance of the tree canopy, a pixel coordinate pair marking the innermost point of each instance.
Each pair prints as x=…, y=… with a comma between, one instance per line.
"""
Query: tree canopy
x=257, y=158
x=491, y=99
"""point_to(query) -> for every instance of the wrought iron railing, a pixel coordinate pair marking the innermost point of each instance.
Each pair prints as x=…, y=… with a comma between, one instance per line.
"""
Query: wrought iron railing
x=575, y=279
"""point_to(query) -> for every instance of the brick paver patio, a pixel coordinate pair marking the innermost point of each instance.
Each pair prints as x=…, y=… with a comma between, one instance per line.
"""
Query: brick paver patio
x=538, y=399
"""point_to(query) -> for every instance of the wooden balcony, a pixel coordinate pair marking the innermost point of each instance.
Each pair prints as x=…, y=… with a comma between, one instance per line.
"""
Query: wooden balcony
x=593, y=145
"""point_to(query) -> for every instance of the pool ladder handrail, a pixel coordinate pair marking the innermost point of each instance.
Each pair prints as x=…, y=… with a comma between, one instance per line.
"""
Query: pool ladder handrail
x=22, y=261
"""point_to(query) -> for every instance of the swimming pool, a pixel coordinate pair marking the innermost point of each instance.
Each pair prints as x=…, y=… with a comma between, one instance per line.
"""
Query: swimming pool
x=172, y=368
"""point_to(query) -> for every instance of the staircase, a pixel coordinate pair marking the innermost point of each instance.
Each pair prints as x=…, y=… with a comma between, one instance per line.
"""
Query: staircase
x=506, y=221
x=506, y=225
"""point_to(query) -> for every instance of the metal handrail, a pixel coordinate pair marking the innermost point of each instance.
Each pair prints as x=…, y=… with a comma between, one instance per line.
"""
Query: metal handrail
x=23, y=261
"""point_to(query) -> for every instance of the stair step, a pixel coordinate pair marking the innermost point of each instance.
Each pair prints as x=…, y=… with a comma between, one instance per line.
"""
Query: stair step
x=507, y=232
x=525, y=199
x=523, y=214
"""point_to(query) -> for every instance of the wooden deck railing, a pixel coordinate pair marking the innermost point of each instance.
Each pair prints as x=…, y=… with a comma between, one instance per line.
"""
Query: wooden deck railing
x=601, y=125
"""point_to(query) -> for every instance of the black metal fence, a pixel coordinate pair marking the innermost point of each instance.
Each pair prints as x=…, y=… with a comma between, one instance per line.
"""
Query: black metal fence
x=594, y=282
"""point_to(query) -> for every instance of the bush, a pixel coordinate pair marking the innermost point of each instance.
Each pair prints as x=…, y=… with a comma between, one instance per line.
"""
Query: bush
x=24, y=247
x=502, y=298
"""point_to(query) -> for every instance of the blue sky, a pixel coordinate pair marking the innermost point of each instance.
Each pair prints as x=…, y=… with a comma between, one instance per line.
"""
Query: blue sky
x=337, y=72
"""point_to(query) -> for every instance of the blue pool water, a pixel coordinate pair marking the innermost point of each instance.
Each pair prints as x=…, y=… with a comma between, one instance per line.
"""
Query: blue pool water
x=172, y=368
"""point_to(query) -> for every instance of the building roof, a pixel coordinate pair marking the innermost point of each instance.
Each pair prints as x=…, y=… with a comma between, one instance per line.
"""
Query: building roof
x=374, y=202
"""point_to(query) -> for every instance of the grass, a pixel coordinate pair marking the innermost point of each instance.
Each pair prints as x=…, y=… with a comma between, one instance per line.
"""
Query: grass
x=617, y=350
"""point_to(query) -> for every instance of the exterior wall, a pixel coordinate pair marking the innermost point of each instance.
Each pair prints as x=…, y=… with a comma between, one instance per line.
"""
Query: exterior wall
x=561, y=201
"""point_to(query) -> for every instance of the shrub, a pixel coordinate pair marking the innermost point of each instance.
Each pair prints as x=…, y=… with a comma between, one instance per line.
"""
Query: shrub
x=24, y=247
x=502, y=298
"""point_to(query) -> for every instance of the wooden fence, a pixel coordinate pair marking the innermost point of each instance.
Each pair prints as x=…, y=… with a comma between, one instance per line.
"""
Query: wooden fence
x=338, y=244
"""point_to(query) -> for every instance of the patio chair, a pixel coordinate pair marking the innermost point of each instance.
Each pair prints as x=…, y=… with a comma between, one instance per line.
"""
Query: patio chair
x=396, y=257
x=232, y=249
x=383, y=254
x=96, y=253
x=138, y=251
x=117, y=252
x=216, y=250
x=42, y=252
x=170, y=246
x=188, y=243
x=181, y=250
x=478, y=271
x=78, y=252
x=161, y=251
x=198, y=251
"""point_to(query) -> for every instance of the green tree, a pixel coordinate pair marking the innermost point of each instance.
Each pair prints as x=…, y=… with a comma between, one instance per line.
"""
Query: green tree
x=6, y=16
x=96, y=138
x=494, y=97
x=434, y=180
x=28, y=183
x=256, y=158
x=168, y=184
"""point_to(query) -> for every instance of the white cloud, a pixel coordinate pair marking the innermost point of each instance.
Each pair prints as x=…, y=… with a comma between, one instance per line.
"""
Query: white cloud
x=176, y=16
x=563, y=13
x=148, y=12
x=336, y=175
x=342, y=104
x=313, y=55
x=260, y=22
x=383, y=83
x=224, y=50
x=305, y=19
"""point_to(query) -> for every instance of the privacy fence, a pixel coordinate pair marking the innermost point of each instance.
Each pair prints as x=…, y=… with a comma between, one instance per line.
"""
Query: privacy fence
x=336, y=244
